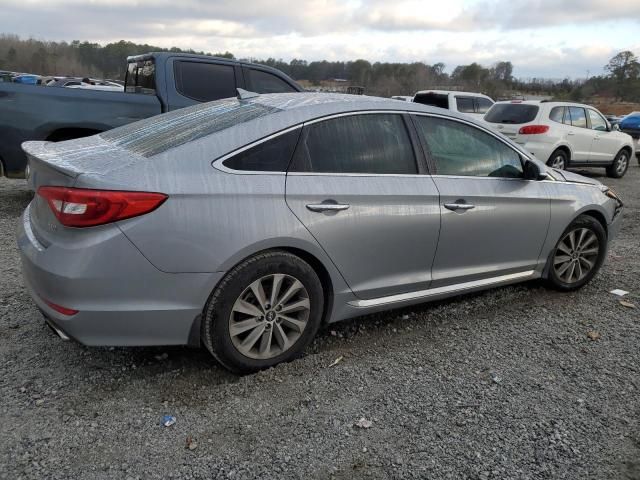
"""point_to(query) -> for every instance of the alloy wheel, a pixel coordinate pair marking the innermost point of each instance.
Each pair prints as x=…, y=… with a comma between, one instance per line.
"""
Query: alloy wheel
x=576, y=255
x=269, y=316
x=558, y=162
x=622, y=163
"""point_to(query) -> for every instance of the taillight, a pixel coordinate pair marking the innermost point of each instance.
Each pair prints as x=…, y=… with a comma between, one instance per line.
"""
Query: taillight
x=78, y=207
x=534, y=129
x=60, y=309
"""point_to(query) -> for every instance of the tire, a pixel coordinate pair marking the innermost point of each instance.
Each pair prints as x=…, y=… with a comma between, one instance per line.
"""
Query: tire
x=567, y=280
x=558, y=159
x=245, y=348
x=620, y=165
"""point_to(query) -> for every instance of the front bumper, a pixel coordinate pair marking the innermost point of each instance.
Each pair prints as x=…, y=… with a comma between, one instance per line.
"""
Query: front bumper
x=121, y=298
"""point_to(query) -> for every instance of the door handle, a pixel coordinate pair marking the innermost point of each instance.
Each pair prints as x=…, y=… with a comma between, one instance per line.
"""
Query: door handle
x=327, y=207
x=458, y=206
x=570, y=134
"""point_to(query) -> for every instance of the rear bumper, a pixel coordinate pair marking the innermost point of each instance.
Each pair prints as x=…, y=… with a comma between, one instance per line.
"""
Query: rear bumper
x=121, y=298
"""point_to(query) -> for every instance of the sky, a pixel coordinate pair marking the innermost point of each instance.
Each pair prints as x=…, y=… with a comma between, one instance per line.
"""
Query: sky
x=542, y=38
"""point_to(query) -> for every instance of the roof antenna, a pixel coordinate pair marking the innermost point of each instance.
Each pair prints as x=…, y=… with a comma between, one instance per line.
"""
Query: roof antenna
x=245, y=94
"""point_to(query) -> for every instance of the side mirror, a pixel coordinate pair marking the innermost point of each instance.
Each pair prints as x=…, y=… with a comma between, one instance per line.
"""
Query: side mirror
x=615, y=128
x=533, y=172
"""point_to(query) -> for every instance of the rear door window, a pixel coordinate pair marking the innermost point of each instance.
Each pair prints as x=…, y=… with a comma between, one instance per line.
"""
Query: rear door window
x=368, y=144
x=433, y=99
x=578, y=117
x=205, y=82
x=483, y=104
x=512, y=113
x=260, y=81
x=462, y=150
x=465, y=104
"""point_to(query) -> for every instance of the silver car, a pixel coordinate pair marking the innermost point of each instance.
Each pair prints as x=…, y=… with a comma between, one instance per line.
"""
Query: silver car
x=245, y=224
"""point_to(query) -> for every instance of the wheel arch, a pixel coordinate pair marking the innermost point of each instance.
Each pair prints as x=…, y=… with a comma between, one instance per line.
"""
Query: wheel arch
x=563, y=147
x=330, y=278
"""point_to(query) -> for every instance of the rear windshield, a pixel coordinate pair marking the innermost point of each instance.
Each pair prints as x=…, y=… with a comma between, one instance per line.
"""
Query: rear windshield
x=141, y=77
x=434, y=99
x=157, y=134
x=511, y=113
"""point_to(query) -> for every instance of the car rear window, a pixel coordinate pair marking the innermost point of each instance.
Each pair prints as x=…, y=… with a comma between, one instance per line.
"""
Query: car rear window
x=434, y=99
x=515, y=113
x=141, y=77
x=157, y=134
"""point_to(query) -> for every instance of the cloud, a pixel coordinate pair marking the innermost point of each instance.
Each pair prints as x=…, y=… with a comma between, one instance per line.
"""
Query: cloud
x=541, y=37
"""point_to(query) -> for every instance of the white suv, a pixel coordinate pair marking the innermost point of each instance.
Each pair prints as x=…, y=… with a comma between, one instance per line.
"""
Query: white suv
x=473, y=104
x=563, y=134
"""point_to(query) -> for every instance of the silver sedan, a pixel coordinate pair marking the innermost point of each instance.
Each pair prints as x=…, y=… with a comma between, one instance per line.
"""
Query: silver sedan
x=245, y=224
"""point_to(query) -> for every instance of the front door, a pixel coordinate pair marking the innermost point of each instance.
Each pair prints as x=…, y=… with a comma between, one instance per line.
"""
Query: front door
x=605, y=145
x=493, y=222
x=354, y=184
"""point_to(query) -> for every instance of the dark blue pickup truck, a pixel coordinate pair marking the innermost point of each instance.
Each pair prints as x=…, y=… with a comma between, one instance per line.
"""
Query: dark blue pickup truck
x=154, y=83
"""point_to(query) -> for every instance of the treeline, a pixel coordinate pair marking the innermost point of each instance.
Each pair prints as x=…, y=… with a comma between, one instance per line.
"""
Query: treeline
x=621, y=79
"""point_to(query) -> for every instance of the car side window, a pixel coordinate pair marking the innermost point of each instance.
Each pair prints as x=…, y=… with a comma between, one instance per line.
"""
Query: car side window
x=483, y=104
x=265, y=82
x=557, y=114
x=465, y=104
x=272, y=155
x=461, y=149
x=366, y=143
x=578, y=117
x=597, y=122
x=205, y=81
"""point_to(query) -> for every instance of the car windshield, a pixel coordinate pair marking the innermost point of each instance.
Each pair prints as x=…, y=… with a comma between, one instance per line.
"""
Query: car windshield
x=515, y=113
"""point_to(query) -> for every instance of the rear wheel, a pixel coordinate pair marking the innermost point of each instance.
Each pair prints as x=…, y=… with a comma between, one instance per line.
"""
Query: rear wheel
x=578, y=255
x=559, y=159
x=619, y=166
x=264, y=312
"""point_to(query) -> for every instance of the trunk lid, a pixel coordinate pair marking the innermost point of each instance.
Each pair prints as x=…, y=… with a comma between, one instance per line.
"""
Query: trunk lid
x=60, y=164
x=509, y=117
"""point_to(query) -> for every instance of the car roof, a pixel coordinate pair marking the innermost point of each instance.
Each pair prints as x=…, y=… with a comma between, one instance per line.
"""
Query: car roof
x=544, y=102
x=447, y=92
x=248, y=120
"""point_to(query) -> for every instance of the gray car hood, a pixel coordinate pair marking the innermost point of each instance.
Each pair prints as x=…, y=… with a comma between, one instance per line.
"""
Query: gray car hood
x=574, y=177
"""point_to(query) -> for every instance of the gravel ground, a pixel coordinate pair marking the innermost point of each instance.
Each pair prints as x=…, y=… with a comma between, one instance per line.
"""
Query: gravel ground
x=501, y=384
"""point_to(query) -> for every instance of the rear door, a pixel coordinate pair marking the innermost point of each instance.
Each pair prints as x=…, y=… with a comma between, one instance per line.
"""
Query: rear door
x=356, y=186
x=579, y=136
x=605, y=145
x=193, y=80
x=493, y=222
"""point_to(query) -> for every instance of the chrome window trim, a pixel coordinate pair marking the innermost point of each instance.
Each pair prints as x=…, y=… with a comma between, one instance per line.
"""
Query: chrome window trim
x=219, y=162
x=430, y=292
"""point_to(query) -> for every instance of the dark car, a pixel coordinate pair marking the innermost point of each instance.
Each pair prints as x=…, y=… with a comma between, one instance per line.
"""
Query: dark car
x=631, y=126
x=154, y=83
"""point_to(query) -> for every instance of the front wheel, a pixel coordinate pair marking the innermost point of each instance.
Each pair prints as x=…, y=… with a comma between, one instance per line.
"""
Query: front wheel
x=578, y=255
x=619, y=166
x=265, y=311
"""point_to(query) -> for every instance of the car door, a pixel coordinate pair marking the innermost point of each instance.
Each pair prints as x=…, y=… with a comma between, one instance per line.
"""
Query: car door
x=355, y=184
x=579, y=136
x=493, y=221
x=605, y=145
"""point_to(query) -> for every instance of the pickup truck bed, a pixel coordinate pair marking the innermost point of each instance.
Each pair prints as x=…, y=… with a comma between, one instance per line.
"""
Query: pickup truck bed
x=155, y=83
